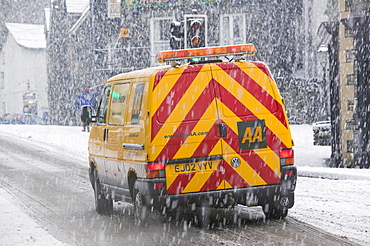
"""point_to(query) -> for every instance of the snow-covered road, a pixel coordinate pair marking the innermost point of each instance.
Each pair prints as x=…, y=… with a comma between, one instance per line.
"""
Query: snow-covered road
x=335, y=200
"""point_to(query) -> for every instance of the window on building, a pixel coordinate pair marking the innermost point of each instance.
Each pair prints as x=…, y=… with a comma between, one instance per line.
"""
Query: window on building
x=160, y=36
x=114, y=8
x=350, y=146
x=348, y=5
x=110, y=56
x=351, y=79
x=233, y=29
x=351, y=105
x=348, y=32
x=351, y=124
x=350, y=55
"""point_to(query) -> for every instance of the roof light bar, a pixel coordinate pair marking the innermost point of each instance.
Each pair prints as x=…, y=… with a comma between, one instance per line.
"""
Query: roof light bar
x=171, y=55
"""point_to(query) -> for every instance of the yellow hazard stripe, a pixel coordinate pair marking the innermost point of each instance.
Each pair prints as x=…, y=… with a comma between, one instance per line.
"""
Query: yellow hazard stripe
x=244, y=170
x=267, y=155
x=170, y=79
x=197, y=182
x=255, y=106
x=258, y=76
x=204, y=124
x=181, y=110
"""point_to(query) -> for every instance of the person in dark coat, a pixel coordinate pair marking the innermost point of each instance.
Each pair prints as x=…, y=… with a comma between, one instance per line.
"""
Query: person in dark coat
x=86, y=113
x=84, y=103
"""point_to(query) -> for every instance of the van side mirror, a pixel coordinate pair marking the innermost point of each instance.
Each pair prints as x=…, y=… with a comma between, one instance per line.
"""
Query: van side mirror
x=93, y=118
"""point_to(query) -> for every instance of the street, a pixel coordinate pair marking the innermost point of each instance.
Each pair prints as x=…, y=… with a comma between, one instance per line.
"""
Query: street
x=54, y=190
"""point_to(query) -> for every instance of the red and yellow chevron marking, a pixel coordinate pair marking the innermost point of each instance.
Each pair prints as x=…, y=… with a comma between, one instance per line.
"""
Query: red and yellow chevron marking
x=191, y=103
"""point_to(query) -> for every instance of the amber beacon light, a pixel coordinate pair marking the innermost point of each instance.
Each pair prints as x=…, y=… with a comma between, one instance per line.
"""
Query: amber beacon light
x=171, y=55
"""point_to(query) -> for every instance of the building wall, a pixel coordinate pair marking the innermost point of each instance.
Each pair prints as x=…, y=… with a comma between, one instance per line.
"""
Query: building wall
x=24, y=71
x=277, y=28
x=347, y=90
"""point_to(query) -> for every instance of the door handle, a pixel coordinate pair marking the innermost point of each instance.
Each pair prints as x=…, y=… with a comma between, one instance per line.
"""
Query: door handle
x=223, y=130
x=105, y=136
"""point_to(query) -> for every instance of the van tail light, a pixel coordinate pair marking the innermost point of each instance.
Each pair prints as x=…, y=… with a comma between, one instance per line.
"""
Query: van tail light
x=289, y=173
x=155, y=166
x=155, y=170
x=158, y=186
x=287, y=157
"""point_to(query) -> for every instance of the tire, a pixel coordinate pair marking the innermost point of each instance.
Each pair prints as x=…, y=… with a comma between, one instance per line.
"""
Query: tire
x=103, y=204
x=141, y=210
x=203, y=215
x=276, y=213
x=273, y=212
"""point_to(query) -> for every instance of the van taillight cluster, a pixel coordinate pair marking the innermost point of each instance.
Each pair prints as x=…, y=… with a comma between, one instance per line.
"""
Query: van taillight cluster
x=155, y=170
x=287, y=157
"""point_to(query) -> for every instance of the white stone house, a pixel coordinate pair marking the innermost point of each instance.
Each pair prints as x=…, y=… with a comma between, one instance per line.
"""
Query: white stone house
x=23, y=70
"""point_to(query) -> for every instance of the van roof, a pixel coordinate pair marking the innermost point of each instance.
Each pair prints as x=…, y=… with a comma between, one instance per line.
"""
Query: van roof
x=148, y=72
x=142, y=73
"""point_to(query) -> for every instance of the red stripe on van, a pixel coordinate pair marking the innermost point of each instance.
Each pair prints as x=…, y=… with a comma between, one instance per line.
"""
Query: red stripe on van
x=187, y=125
x=255, y=89
x=158, y=77
x=233, y=104
x=209, y=142
x=253, y=160
x=215, y=179
x=173, y=97
x=233, y=178
x=179, y=184
x=263, y=67
x=228, y=174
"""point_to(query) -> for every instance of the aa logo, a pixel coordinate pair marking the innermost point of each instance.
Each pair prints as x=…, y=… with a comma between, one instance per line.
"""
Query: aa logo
x=252, y=134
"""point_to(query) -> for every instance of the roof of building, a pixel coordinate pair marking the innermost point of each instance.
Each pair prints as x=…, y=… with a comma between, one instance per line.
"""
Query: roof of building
x=76, y=6
x=79, y=22
x=27, y=35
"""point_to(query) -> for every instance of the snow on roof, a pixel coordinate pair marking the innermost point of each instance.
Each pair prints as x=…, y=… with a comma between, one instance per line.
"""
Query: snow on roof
x=47, y=13
x=77, y=6
x=27, y=35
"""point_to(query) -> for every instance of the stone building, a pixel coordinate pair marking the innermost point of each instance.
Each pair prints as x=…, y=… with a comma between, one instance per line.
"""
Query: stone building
x=107, y=37
x=70, y=59
x=114, y=36
x=347, y=37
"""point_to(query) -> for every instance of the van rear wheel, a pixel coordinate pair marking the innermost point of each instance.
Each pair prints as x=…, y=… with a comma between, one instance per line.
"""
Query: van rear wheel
x=141, y=210
x=273, y=212
x=203, y=215
x=103, y=203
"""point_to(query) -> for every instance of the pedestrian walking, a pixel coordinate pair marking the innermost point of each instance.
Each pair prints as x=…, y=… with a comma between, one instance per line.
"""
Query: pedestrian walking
x=84, y=104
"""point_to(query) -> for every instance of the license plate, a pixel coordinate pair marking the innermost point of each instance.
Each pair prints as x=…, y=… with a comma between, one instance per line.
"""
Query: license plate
x=194, y=167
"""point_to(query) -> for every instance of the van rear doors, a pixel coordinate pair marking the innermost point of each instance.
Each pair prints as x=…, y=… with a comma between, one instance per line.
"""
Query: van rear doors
x=217, y=126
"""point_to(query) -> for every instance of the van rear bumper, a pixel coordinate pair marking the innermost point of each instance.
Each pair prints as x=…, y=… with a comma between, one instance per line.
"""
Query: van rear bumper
x=250, y=196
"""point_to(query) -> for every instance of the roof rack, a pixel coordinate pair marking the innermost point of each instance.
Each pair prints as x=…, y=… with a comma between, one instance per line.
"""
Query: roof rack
x=234, y=50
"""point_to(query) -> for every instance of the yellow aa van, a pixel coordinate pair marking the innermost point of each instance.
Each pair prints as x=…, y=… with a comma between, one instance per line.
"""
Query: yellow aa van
x=206, y=130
